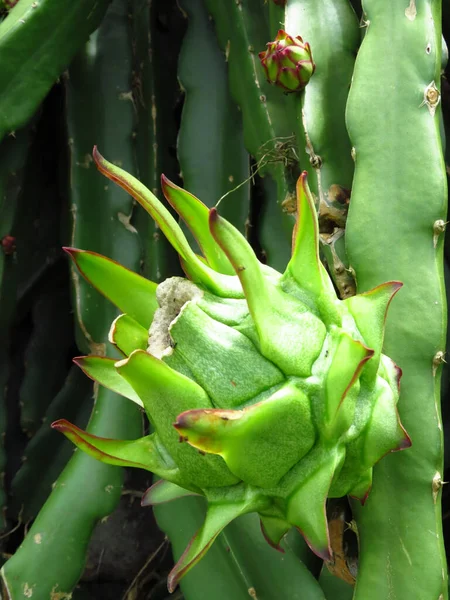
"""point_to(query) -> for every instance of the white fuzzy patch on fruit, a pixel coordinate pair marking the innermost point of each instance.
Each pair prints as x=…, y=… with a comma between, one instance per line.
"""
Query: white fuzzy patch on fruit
x=172, y=294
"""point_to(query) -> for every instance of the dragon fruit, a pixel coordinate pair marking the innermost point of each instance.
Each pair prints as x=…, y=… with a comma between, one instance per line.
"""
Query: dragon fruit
x=288, y=62
x=264, y=391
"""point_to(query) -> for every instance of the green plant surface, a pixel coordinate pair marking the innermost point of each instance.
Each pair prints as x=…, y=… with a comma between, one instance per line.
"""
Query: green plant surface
x=13, y=157
x=210, y=355
x=45, y=456
x=332, y=30
x=243, y=564
x=243, y=31
x=157, y=28
x=46, y=353
x=86, y=492
x=394, y=230
x=39, y=38
x=211, y=153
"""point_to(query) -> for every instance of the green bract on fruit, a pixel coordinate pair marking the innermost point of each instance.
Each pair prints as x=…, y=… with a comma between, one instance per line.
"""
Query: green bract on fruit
x=288, y=62
x=265, y=392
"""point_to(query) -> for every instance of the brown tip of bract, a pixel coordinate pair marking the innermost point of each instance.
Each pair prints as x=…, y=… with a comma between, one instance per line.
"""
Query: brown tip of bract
x=96, y=155
x=166, y=183
x=213, y=216
x=71, y=251
x=61, y=425
x=78, y=360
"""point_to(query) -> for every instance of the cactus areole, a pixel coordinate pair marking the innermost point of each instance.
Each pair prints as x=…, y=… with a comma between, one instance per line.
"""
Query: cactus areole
x=265, y=392
x=288, y=62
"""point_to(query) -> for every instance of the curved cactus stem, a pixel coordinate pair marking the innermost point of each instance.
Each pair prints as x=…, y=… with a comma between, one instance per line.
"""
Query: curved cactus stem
x=164, y=491
x=220, y=513
x=142, y=453
x=115, y=282
x=103, y=370
x=196, y=216
x=222, y=285
x=369, y=311
x=127, y=335
x=259, y=443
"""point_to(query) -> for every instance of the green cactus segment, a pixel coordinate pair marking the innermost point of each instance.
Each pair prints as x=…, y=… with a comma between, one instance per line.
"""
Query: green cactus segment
x=155, y=105
x=324, y=149
x=196, y=214
x=102, y=369
x=114, y=282
x=332, y=29
x=394, y=107
x=87, y=490
x=127, y=335
x=39, y=39
x=239, y=502
x=265, y=403
x=220, y=284
x=243, y=31
x=13, y=158
x=164, y=491
x=259, y=443
x=210, y=146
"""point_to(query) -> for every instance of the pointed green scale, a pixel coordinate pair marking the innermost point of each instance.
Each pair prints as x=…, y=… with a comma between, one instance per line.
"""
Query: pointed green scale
x=223, y=361
x=165, y=394
x=196, y=214
x=259, y=443
x=369, y=311
x=348, y=360
x=274, y=529
x=142, y=453
x=115, y=282
x=127, y=335
x=306, y=504
x=305, y=265
x=222, y=285
x=363, y=487
x=164, y=491
x=289, y=335
x=384, y=432
x=103, y=370
x=219, y=514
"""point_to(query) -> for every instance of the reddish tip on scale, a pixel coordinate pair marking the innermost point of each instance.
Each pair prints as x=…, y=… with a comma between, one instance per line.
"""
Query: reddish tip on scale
x=213, y=216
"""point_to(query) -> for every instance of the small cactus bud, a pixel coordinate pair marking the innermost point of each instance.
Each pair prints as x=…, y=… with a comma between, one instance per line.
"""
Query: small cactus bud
x=288, y=62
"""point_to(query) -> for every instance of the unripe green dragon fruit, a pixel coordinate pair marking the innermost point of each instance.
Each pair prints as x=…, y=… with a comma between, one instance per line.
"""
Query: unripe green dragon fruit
x=264, y=391
x=288, y=62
